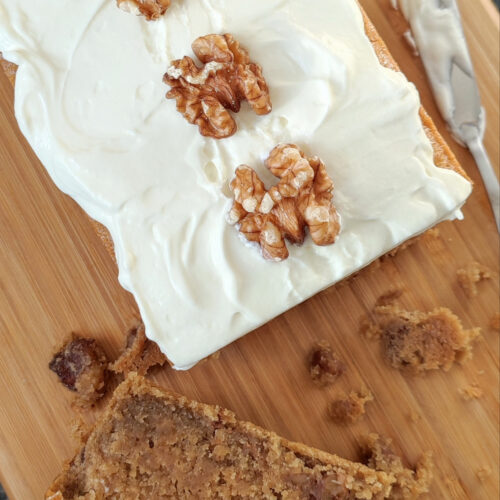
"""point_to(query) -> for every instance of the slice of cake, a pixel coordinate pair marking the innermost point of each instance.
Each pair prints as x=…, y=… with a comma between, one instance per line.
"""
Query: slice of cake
x=91, y=101
x=152, y=443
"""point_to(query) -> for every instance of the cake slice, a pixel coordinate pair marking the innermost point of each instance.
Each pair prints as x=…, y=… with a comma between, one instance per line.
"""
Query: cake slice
x=152, y=443
x=108, y=137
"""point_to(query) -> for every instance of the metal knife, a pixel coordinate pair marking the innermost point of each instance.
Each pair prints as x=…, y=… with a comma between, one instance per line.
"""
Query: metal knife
x=467, y=118
x=465, y=123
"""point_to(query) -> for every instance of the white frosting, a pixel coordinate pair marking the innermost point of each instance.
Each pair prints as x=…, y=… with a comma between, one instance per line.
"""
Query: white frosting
x=90, y=100
x=440, y=41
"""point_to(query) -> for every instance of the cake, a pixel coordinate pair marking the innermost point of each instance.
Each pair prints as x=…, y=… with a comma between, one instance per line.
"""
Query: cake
x=139, y=355
x=349, y=408
x=82, y=367
x=152, y=443
x=91, y=102
x=325, y=366
x=379, y=454
x=469, y=277
x=416, y=341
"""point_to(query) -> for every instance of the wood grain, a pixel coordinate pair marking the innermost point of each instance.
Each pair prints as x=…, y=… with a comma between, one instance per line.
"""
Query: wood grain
x=56, y=277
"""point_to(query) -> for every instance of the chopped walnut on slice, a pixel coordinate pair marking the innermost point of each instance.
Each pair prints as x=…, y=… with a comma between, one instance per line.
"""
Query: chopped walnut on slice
x=150, y=9
x=301, y=199
x=228, y=77
x=81, y=366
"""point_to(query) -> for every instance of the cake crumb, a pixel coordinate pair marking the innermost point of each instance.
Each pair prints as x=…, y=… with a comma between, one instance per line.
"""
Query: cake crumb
x=495, y=322
x=417, y=341
x=483, y=473
x=414, y=416
x=369, y=329
x=140, y=353
x=348, y=409
x=379, y=454
x=472, y=391
x=453, y=485
x=470, y=276
x=389, y=297
x=324, y=365
x=81, y=366
x=481, y=372
x=433, y=233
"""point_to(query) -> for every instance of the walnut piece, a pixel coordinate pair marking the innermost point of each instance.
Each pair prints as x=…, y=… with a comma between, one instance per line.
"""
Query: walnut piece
x=228, y=77
x=81, y=366
x=324, y=365
x=150, y=9
x=302, y=198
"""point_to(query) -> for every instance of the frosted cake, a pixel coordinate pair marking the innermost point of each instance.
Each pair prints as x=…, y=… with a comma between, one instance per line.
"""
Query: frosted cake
x=91, y=102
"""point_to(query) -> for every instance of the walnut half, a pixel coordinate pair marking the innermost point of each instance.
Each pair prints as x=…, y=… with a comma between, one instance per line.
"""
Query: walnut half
x=150, y=9
x=205, y=95
x=302, y=198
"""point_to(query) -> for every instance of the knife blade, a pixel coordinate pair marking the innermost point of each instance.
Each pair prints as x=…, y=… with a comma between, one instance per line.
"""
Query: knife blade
x=467, y=118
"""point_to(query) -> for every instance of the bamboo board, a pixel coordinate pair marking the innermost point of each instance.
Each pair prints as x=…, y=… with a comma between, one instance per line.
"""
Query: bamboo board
x=56, y=277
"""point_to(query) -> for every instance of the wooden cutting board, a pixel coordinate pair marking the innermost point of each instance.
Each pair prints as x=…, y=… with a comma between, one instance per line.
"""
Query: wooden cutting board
x=56, y=277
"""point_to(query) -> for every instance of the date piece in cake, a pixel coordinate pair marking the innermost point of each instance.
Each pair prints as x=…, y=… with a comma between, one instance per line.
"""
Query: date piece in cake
x=325, y=366
x=151, y=443
x=205, y=95
x=409, y=484
x=470, y=276
x=348, y=409
x=150, y=9
x=417, y=341
x=301, y=199
x=81, y=366
x=140, y=353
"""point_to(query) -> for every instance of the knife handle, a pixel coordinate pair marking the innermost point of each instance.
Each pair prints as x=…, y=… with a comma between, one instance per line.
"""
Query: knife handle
x=488, y=174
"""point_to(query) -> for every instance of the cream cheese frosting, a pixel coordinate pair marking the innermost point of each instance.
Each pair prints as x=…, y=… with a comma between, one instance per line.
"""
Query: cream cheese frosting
x=91, y=102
